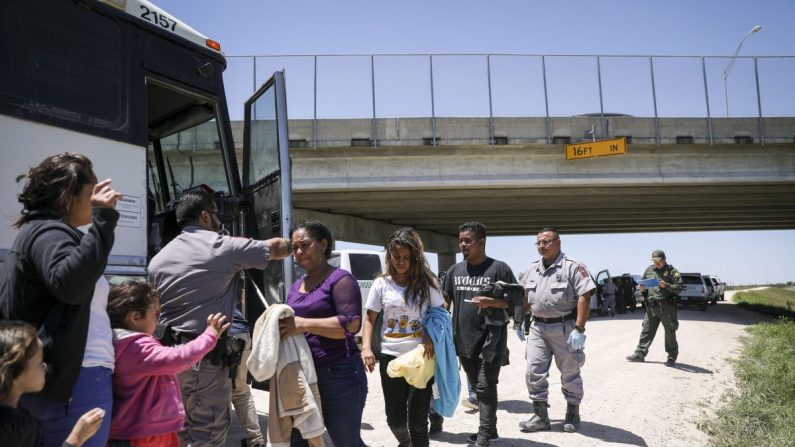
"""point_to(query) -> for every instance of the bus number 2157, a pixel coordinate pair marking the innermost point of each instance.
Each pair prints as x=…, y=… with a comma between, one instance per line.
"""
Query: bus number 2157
x=158, y=19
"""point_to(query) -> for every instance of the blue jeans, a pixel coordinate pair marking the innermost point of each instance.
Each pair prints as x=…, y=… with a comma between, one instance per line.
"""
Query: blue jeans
x=343, y=391
x=92, y=389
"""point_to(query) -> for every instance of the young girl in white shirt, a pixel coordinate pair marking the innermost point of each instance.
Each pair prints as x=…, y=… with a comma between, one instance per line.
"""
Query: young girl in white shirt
x=404, y=293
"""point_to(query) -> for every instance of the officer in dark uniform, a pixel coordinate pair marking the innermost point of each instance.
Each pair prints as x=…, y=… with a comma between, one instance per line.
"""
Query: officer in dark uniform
x=621, y=297
x=629, y=285
x=660, y=308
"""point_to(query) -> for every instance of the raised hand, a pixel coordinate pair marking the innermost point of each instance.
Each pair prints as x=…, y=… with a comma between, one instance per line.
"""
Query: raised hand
x=104, y=196
x=217, y=323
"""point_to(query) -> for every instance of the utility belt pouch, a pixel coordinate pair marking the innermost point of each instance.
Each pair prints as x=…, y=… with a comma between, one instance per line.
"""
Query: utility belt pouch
x=165, y=335
x=216, y=356
x=233, y=351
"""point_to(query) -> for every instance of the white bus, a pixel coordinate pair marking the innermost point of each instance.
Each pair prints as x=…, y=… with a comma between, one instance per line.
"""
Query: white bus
x=142, y=95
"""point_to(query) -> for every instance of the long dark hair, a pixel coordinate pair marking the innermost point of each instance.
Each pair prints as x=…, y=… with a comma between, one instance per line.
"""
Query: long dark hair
x=420, y=278
x=53, y=183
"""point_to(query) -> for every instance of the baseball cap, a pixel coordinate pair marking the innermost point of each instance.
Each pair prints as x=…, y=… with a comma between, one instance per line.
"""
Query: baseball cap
x=658, y=254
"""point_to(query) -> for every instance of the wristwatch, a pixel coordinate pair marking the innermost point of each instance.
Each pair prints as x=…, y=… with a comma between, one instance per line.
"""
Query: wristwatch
x=579, y=329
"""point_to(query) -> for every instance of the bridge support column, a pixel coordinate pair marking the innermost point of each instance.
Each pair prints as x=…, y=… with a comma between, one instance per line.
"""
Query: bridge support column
x=445, y=261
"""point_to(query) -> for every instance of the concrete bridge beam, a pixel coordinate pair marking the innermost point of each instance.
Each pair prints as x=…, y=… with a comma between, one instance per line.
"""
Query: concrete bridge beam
x=373, y=232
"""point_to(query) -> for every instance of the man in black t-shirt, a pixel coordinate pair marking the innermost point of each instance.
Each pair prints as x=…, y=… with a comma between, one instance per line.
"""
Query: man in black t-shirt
x=479, y=323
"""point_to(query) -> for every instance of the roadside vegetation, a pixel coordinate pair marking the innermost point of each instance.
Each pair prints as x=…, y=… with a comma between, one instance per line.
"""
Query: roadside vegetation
x=782, y=285
x=773, y=301
x=761, y=411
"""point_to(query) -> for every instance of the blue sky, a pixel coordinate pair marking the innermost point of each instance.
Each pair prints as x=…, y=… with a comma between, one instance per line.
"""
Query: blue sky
x=674, y=27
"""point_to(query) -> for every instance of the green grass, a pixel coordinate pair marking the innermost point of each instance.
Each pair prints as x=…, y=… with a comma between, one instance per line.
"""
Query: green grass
x=777, y=302
x=761, y=412
x=788, y=284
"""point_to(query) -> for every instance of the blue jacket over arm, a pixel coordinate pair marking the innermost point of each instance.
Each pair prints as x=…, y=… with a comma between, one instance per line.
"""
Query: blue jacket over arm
x=438, y=324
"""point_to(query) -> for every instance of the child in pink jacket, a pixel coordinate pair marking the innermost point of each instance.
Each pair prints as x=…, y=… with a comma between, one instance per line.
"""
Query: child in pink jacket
x=147, y=399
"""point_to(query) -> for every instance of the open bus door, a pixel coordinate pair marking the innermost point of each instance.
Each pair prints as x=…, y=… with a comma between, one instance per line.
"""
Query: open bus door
x=267, y=190
x=596, y=299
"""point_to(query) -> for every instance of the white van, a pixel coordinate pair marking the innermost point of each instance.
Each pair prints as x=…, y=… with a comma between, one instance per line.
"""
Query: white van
x=365, y=266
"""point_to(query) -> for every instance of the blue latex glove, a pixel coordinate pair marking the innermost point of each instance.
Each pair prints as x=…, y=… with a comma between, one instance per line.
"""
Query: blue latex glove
x=576, y=340
x=520, y=334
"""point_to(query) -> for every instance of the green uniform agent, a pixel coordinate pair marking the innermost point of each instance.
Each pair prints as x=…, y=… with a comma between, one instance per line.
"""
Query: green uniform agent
x=621, y=296
x=661, y=308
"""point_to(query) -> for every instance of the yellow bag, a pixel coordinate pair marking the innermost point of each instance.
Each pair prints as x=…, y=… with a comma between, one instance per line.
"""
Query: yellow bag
x=413, y=366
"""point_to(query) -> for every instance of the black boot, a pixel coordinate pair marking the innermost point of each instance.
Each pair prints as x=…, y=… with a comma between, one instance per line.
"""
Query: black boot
x=480, y=441
x=540, y=419
x=572, y=422
x=402, y=436
x=437, y=422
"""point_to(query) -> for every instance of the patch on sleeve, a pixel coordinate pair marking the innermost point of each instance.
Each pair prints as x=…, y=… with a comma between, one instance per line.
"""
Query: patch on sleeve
x=583, y=271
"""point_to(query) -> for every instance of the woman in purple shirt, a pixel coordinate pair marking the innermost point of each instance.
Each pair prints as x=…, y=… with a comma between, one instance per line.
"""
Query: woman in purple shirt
x=328, y=310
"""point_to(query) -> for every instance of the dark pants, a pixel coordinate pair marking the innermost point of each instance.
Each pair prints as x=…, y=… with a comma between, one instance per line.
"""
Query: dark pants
x=406, y=407
x=92, y=389
x=485, y=376
x=343, y=391
x=659, y=311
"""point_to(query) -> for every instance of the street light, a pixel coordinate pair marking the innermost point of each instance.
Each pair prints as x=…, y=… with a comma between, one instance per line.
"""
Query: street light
x=729, y=67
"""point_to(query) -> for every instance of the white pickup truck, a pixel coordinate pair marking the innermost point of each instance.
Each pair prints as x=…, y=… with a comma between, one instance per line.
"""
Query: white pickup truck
x=694, y=290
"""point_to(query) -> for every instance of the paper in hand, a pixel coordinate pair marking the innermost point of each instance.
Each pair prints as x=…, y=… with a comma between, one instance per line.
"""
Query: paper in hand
x=651, y=282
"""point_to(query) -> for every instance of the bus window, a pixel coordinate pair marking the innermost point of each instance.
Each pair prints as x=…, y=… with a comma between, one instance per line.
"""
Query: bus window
x=264, y=137
x=185, y=151
x=155, y=193
x=65, y=63
x=192, y=157
x=183, y=124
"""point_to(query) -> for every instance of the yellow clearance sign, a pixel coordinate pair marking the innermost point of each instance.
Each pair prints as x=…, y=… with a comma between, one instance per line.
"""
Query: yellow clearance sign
x=601, y=148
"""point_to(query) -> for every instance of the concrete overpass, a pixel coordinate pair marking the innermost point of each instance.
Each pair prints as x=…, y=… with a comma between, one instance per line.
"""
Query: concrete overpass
x=519, y=184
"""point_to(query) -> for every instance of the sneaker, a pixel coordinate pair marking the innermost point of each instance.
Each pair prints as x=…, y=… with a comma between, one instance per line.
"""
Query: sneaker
x=471, y=404
x=635, y=357
x=670, y=362
x=473, y=438
x=437, y=421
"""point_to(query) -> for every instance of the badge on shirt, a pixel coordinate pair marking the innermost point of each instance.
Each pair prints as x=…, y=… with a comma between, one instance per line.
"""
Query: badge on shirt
x=583, y=271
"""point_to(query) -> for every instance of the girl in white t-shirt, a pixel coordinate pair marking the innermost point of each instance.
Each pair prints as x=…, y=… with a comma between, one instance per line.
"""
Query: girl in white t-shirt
x=404, y=293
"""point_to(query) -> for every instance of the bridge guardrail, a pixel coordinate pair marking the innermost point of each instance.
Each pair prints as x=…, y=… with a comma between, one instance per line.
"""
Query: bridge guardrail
x=405, y=88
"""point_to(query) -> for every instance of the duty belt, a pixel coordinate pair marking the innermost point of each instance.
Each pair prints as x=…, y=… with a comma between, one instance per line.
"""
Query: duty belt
x=571, y=316
x=215, y=355
x=184, y=337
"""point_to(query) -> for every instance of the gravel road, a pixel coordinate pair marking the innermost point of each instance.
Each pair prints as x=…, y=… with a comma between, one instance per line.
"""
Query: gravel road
x=642, y=404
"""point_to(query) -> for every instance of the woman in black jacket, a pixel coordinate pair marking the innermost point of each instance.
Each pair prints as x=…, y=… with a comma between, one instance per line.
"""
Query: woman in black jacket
x=52, y=278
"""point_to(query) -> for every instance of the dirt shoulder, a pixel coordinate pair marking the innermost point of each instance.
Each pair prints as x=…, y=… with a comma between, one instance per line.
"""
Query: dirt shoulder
x=643, y=404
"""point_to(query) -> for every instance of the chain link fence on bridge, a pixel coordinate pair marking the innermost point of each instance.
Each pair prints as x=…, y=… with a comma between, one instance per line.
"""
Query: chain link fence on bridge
x=501, y=87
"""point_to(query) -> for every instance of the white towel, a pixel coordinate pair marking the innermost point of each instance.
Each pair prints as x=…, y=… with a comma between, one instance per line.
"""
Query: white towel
x=270, y=357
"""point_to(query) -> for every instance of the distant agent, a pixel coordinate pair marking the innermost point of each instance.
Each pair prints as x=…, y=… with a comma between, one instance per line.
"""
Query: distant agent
x=660, y=308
